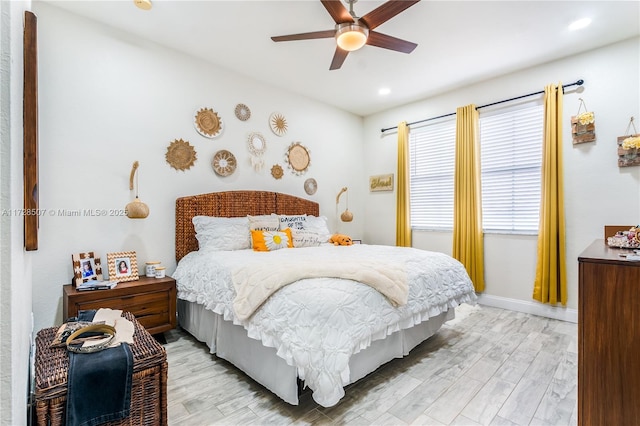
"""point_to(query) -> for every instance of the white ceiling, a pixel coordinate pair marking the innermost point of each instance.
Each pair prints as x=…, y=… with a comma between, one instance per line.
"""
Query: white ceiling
x=459, y=42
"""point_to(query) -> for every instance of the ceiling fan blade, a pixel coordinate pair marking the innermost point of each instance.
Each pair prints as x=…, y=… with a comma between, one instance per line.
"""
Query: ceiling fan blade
x=388, y=42
x=305, y=36
x=338, y=58
x=388, y=10
x=338, y=12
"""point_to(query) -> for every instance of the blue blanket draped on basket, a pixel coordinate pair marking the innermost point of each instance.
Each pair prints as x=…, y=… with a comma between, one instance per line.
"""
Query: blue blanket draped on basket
x=99, y=383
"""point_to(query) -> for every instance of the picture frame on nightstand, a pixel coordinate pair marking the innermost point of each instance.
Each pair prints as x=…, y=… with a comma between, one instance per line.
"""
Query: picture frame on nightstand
x=86, y=268
x=123, y=266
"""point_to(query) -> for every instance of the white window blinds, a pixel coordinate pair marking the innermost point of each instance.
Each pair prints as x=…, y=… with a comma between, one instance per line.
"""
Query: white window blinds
x=511, y=156
x=431, y=163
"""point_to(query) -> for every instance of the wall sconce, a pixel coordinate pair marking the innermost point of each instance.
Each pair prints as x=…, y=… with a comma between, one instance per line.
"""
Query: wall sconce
x=136, y=209
x=346, y=215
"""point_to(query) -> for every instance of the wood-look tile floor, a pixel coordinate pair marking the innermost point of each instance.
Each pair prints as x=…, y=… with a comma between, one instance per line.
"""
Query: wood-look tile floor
x=488, y=366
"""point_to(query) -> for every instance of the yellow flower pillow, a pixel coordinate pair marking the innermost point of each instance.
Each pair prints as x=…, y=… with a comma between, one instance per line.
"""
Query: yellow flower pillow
x=271, y=240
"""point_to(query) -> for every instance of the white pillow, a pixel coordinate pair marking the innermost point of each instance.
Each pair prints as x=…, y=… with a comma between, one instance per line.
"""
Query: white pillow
x=320, y=226
x=292, y=221
x=304, y=238
x=265, y=222
x=222, y=233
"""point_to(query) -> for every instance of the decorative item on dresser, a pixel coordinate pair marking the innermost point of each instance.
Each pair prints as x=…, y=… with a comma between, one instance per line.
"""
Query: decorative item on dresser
x=151, y=300
x=123, y=266
x=608, y=337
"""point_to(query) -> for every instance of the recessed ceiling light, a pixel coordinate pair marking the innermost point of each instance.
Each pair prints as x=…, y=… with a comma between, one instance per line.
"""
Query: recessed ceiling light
x=579, y=24
x=143, y=4
x=384, y=91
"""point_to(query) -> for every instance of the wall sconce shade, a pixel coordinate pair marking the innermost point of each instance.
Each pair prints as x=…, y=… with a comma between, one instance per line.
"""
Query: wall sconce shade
x=346, y=215
x=351, y=36
x=136, y=209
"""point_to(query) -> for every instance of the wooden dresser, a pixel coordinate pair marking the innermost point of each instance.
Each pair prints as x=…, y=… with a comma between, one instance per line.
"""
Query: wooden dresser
x=151, y=300
x=608, y=337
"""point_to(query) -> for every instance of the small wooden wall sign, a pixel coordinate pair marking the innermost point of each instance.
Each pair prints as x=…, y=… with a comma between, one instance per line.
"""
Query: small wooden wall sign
x=628, y=157
x=582, y=132
x=381, y=183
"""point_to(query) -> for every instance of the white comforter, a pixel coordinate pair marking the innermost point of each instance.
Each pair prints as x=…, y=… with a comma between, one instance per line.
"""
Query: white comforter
x=316, y=324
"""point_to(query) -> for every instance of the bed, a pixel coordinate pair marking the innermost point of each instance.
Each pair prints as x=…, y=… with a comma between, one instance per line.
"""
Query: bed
x=290, y=317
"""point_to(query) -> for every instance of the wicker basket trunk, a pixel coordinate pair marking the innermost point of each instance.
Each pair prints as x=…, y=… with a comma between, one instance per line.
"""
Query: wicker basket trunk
x=149, y=387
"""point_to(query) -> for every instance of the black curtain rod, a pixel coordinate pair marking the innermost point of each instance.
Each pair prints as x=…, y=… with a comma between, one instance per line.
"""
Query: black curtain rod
x=577, y=83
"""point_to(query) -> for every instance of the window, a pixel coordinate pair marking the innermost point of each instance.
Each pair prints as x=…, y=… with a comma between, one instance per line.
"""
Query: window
x=511, y=156
x=431, y=163
x=511, y=159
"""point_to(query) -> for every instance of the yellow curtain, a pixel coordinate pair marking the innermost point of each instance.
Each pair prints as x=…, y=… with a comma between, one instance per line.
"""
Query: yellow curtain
x=403, y=219
x=468, y=245
x=551, y=282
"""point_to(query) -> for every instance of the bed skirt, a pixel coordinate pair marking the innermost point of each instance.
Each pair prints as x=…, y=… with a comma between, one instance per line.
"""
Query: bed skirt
x=230, y=342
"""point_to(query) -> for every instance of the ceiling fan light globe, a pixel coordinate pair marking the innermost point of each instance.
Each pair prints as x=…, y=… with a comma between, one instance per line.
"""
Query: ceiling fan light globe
x=351, y=36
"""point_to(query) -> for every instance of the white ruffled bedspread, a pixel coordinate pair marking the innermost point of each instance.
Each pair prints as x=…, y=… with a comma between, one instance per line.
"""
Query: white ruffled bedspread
x=317, y=324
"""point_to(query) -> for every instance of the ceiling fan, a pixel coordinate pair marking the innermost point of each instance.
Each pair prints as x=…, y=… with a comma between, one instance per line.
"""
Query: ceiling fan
x=353, y=32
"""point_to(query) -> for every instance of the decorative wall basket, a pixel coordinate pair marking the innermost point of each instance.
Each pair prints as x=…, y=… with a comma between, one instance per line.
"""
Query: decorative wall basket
x=629, y=147
x=224, y=163
x=180, y=155
x=583, y=126
x=208, y=123
x=278, y=124
x=277, y=172
x=298, y=158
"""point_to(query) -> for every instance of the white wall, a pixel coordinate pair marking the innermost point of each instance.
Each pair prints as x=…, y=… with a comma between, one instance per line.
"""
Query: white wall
x=108, y=98
x=15, y=265
x=597, y=191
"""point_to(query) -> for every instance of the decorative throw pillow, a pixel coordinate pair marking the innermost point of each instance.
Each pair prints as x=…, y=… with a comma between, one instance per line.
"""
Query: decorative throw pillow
x=304, y=238
x=222, y=233
x=271, y=240
x=318, y=225
x=265, y=222
x=292, y=221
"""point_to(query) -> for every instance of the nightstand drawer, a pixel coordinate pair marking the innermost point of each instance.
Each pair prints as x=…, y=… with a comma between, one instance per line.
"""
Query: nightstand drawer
x=151, y=300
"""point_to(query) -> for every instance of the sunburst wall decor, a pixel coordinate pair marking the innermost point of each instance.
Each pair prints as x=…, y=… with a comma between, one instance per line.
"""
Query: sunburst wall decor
x=278, y=123
x=208, y=123
x=180, y=155
x=276, y=171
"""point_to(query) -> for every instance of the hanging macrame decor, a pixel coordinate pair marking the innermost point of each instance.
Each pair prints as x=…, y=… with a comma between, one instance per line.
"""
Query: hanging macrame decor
x=583, y=126
x=629, y=147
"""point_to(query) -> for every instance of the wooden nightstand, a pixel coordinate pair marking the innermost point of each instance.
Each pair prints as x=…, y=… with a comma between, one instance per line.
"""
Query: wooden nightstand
x=151, y=300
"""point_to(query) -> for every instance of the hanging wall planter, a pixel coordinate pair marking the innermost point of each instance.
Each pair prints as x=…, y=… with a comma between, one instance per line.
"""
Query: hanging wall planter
x=629, y=147
x=583, y=126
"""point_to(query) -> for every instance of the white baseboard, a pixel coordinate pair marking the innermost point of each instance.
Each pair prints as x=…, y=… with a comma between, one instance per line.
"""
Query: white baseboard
x=534, y=308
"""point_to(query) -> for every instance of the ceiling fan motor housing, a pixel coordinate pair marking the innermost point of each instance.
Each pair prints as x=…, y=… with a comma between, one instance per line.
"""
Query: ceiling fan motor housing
x=351, y=36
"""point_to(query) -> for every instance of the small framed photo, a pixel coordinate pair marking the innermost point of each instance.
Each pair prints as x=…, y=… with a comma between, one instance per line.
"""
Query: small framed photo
x=123, y=266
x=86, y=267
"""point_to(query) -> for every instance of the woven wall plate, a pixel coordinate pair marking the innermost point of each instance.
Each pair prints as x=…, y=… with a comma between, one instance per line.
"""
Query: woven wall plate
x=278, y=123
x=180, y=155
x=276, y=171
x=310, y=186
x=224, y=163
x=298, y=158
x=243, y=113
x=208, y=123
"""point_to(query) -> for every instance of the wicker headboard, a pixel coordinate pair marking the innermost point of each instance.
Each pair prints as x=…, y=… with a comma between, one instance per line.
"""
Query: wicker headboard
x=232, y=204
